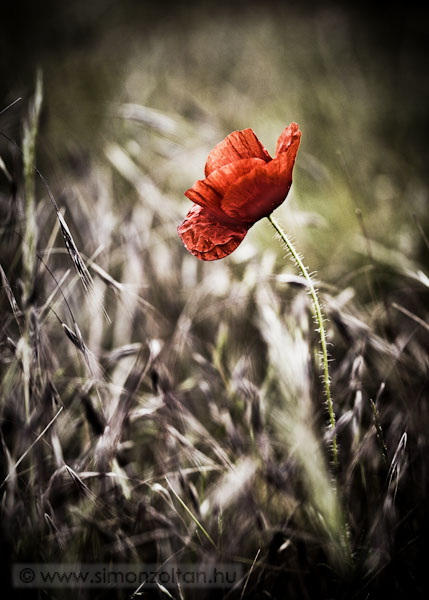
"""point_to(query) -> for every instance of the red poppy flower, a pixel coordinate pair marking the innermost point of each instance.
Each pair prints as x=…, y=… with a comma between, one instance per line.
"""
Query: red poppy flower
x=243, y=184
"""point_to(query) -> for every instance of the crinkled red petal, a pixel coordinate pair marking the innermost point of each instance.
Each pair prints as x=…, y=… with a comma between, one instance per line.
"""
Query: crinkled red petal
x=236, y=146
x=258, y=193
x=210, y=191
x=206, y=238
x=289, y=141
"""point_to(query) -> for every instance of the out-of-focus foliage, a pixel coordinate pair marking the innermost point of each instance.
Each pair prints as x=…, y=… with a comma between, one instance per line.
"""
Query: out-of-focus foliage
x=152, y=364
x=353, y=79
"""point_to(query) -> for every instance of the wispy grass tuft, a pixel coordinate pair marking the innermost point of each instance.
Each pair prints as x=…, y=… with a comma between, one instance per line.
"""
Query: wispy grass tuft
x=29, y=160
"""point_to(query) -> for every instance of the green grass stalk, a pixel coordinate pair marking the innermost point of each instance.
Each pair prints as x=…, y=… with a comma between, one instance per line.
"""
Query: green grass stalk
x=29, y=244
x=191, y=514
x=29, y=153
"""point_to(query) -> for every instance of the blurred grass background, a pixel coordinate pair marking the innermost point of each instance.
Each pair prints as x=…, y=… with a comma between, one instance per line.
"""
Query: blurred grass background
x=354, y=79
x=209, y=372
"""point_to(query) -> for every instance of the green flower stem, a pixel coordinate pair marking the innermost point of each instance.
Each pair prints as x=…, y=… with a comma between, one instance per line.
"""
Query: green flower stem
x=321, y=329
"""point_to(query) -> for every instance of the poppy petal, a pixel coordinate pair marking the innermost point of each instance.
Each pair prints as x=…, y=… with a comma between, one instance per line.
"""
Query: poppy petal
x=210, y=191
x=236, y=146
x=289, y=140
x=258, y=193
x=206, y=238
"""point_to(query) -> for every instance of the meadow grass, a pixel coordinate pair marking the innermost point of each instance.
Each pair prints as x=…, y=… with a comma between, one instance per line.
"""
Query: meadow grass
x=155, y=408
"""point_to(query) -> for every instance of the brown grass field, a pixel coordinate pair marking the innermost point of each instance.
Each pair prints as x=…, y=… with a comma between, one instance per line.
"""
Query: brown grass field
x=159, y=410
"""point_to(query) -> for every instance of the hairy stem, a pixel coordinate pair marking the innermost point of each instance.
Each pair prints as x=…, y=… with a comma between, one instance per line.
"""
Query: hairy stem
x=321, y=328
